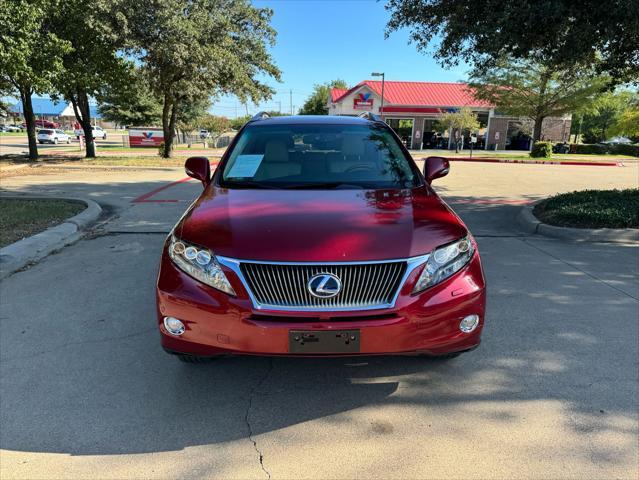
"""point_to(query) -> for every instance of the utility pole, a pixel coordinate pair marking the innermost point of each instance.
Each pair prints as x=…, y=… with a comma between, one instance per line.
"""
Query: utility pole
x=280, y=105
x=235, y=108
x=291, y=100
x=246, y=106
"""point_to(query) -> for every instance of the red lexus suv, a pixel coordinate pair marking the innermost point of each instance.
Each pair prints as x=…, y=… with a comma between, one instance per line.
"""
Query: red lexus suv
x=319, y=236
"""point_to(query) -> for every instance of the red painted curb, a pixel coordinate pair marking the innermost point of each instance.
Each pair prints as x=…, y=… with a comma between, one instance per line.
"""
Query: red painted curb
x=536, y=162
x=145, y=197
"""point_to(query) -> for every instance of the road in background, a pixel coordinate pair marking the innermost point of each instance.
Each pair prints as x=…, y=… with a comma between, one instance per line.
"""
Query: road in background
x=551, y=392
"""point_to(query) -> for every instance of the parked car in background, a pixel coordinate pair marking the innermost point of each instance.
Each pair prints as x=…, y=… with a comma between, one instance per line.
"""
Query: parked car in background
x=204, y=134
x=98, y=132
x=356, y=253
x=49, y=135
x=44, y=124
x=10, y=128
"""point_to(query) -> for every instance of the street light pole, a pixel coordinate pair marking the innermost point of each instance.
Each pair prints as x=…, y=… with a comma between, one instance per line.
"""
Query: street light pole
x=381, y=74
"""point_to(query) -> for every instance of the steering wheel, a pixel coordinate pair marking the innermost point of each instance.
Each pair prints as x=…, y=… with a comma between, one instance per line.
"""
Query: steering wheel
x=361, y=167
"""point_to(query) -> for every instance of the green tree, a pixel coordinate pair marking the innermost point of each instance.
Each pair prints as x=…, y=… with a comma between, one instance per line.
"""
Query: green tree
x=130, y=102
x=192, y=112
x=628, y=122
x=597, y=122
x=30, y=55
x=459, y=122
x=316, y=104
x=96, y=31
x=237, y=123
x=216, y=124
x=536, y=90
x=566, y=33
x=195, y=48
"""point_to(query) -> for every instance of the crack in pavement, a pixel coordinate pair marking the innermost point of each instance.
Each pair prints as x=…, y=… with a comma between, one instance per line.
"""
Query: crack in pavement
x=248, y=414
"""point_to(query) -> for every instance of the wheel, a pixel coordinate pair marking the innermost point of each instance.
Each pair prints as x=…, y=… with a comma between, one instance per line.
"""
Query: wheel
x=194, y=359
x=40, y=141
x=55, y=141
x=104, y=137
x=68, y=141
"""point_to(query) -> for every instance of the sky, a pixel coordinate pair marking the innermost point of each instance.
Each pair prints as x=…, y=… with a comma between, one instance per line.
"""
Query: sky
x=321, y=40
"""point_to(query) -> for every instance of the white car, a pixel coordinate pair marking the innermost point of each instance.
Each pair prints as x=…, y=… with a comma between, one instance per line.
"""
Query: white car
x=98, y=132
x=49, y=135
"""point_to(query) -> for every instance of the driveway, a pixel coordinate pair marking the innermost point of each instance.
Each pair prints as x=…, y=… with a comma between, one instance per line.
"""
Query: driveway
x=551, y=392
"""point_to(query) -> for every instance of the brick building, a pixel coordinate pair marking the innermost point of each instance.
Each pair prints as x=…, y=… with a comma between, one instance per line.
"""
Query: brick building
x=412, y=110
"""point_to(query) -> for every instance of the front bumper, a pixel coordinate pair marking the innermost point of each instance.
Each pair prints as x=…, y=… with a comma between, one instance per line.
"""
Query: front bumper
x=217, y=323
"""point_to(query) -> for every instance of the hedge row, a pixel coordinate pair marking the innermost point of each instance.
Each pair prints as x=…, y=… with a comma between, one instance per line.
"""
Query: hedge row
x=591, y=209
x=601, y=149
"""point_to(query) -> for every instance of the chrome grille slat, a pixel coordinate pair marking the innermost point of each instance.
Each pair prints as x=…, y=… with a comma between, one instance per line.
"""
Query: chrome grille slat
x=366, y=285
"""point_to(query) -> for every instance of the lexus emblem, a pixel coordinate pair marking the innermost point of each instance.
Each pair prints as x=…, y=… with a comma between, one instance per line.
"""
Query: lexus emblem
x=324, y=285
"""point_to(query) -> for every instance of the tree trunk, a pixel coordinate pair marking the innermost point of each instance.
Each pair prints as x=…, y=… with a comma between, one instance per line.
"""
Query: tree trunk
x=169, y=120
x=537, y=129
x=81, y=108
x=29, y=119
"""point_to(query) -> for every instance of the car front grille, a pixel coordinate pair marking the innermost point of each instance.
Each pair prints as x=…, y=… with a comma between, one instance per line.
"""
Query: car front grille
x=364, y=285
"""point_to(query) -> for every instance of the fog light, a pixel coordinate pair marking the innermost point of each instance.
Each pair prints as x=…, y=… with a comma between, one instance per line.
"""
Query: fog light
x=173, y=326
x=469, y=323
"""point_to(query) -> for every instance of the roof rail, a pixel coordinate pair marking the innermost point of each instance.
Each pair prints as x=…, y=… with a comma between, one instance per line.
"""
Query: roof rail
x=259, y=116
x=370, y=116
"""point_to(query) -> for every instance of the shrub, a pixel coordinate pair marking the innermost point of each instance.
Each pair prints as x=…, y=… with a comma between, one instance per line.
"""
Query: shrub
x=622, y=149
x=602, y=149
x=541, y=150
x=591, y=209
x=588, y=149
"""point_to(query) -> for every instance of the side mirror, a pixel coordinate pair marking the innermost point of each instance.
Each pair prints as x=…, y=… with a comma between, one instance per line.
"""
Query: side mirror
x=435, y=167
x=198, y=168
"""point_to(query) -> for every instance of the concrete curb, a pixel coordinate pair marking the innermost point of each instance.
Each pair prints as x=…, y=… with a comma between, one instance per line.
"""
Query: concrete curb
x=531, y=224
x=32, y=249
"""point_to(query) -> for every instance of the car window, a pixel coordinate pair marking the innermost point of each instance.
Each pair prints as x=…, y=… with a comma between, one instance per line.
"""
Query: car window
x=318, y=156
x=46, y=132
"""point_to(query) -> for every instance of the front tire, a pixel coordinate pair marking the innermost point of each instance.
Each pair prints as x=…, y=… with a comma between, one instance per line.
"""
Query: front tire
x=447, y=356
x=55, y=141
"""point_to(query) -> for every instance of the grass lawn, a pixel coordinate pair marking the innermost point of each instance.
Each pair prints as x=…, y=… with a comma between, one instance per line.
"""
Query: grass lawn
x=592, y=209
x=557, y=157
x=23, y=218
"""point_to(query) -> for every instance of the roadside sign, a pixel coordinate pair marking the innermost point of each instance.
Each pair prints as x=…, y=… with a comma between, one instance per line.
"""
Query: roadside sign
x=145, y=137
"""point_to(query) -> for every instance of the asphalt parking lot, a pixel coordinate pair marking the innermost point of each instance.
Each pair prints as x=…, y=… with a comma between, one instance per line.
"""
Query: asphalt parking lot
x=86, y=390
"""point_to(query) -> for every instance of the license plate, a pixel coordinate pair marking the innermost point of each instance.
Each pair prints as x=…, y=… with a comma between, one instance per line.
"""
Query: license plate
x=323, y=341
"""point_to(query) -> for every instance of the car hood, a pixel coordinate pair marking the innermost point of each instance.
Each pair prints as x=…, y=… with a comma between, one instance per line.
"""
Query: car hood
x=319, y=226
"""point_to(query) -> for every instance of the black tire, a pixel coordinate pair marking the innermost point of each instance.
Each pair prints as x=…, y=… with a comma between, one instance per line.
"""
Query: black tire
x=194, y=359
x=55, y=141
x=40, y=141
x=447, y=356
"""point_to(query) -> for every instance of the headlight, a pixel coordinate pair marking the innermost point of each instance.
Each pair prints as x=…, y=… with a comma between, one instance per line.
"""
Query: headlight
x=443, y=262
x=200, y=263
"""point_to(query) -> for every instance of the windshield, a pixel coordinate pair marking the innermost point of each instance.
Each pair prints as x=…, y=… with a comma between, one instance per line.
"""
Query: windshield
x=318, y=156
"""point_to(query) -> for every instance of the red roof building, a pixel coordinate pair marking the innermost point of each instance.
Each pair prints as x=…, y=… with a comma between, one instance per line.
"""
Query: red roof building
x=412, y=110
